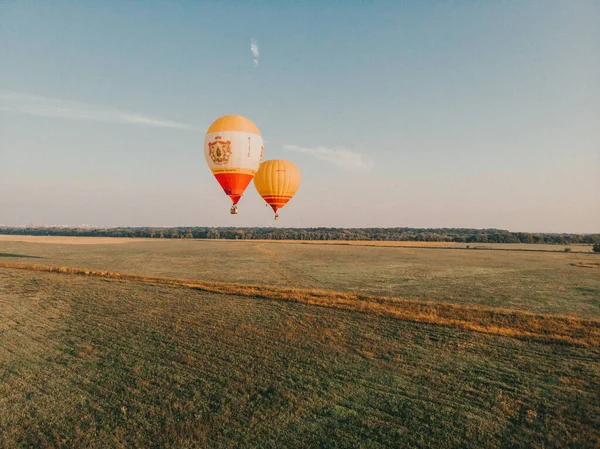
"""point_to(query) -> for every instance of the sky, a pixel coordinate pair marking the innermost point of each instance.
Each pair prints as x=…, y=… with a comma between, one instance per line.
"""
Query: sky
x=398, y=113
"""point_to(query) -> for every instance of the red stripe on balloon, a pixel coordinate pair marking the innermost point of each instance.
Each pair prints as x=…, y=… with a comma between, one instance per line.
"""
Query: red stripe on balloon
x=277, y=202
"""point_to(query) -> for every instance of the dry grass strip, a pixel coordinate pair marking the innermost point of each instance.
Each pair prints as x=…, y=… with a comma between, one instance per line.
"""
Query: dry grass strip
x=586, y=264
x=509, y=323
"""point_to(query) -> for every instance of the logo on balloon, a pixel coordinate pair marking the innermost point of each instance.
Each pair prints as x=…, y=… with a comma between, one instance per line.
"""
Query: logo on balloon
x=219, y=151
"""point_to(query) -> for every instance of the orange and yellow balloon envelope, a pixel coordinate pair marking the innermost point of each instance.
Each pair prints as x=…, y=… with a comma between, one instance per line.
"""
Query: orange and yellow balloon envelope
x=233, y=148
x=277, y=181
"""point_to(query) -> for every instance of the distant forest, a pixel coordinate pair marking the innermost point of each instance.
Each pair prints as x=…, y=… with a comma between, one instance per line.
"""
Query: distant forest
x=381, y=234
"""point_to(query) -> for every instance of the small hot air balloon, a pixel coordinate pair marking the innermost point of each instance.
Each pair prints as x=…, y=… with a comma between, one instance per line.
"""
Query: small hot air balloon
x=277, y=181
x=233, y=148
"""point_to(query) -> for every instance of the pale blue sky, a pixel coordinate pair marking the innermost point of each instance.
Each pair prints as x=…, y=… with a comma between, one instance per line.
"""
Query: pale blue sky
x=428, y=114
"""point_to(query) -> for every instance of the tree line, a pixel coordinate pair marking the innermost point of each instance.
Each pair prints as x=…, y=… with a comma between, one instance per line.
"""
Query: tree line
x=464, y=235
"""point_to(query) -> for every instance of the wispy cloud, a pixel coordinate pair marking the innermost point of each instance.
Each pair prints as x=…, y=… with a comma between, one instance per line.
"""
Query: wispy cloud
x=254, y=51
x=341, y=157
x=52, y=107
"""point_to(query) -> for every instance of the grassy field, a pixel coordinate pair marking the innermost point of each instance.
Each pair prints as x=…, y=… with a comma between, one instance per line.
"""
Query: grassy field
x=90, y=361
x=544, y=282
x=577, y=248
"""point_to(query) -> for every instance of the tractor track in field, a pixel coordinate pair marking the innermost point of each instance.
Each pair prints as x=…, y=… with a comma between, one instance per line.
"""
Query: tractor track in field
x=284, y=270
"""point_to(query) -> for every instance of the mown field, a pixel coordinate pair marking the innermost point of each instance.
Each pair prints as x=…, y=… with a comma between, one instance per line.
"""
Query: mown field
x=87, y=361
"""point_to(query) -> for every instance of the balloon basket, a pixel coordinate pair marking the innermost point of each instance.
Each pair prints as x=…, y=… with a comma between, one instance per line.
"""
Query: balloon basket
x=233, y=210
x=276, y=216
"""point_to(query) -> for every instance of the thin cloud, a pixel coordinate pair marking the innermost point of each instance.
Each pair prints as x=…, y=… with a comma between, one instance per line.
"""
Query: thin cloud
x=340, y=157
x=254, y=51
x=72, y=110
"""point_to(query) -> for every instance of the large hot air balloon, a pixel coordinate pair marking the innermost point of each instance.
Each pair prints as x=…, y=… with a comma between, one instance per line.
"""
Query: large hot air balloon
x=233, y=148
x=277, y=181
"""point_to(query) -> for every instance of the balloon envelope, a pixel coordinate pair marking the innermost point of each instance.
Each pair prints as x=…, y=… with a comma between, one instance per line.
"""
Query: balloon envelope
x=277, y=181
x=233, y=148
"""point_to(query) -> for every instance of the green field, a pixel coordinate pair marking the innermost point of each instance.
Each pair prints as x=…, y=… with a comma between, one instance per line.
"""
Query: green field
x=92, y=362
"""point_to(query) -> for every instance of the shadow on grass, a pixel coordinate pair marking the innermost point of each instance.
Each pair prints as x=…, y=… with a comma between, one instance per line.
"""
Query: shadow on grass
x=21, y=256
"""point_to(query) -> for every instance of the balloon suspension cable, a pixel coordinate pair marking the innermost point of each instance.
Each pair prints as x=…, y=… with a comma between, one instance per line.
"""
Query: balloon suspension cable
x=233, y=210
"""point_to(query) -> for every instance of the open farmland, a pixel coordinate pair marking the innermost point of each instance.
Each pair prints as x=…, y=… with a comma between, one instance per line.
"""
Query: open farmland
x=88, y=361
x=544, y=282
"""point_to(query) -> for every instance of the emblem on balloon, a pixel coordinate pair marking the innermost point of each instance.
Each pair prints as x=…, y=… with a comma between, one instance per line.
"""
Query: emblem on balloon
x=219, y=151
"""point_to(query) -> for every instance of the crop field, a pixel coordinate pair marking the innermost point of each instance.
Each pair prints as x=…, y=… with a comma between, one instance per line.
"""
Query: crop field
x=257, y=344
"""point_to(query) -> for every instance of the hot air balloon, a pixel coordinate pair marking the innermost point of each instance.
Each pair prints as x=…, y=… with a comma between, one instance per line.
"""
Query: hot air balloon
x=277, y=181
x=233, y=148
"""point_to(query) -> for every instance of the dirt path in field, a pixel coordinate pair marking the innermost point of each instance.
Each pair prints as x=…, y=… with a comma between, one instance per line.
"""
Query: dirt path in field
x=496, y=321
